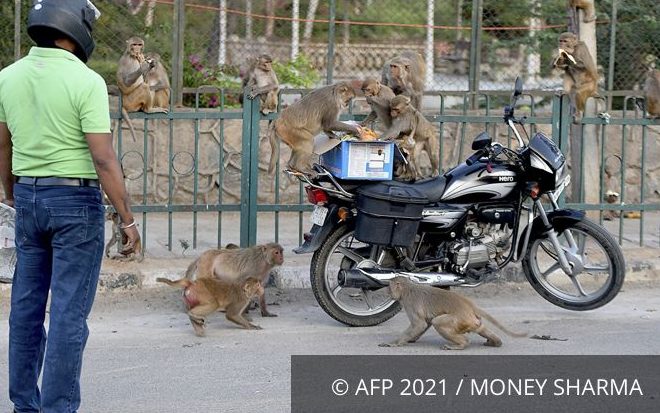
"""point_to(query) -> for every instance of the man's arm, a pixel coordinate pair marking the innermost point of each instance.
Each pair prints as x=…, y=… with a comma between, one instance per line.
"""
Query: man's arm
x=112, y=180
x=5, y=164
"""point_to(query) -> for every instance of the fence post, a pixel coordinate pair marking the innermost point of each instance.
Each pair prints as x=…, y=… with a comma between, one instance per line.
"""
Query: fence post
x=177, y=51
x=561, y=122
x=331, y=43
x=475, y=50
x=610, y=70
x=295, y=29
x=17, y=29
x=249, y=171
x=430, y=8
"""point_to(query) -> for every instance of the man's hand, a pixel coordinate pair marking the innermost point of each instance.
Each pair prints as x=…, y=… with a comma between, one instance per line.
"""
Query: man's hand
x=133, y=243
x=8, y=201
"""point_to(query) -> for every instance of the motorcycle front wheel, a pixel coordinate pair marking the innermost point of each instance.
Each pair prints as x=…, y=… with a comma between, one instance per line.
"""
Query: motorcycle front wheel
x=597, y=262
x=355, y=307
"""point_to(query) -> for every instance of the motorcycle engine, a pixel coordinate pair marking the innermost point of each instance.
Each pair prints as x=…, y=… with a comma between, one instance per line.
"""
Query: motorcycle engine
x=481, y=244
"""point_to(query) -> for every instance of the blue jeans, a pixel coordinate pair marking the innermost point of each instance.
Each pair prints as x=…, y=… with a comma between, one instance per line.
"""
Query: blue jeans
x=59, y=244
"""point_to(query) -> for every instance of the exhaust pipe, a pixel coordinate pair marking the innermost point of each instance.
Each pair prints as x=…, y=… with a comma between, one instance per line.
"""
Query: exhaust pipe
x=374, y=278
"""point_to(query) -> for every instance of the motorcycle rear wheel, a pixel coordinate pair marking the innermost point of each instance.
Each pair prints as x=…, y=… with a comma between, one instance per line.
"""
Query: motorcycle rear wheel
x=598, y=258
x=352, y=306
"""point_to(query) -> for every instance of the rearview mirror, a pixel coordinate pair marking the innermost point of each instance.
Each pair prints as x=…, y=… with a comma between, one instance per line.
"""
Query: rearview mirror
x=482, y=141
x=518, y=89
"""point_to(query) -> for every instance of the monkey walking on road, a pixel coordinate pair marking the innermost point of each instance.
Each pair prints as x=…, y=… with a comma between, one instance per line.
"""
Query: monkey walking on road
x=452, y=315
x=235, y=264
x=208, y=295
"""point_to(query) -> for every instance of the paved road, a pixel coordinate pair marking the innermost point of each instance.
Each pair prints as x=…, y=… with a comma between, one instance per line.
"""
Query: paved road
x=143, y=357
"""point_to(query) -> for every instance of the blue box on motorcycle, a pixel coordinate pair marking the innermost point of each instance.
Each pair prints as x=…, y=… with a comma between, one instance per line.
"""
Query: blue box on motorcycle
x=371, y=160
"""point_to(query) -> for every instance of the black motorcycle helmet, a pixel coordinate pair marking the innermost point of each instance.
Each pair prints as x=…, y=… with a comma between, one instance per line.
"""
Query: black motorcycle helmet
x=49, y=19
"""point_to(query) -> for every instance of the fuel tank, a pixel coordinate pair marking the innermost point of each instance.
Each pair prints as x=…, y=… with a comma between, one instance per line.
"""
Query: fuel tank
x=479, y=182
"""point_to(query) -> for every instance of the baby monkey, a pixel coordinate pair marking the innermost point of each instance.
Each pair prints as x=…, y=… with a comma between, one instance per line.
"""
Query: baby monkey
x=207, y=295
x=452, y=315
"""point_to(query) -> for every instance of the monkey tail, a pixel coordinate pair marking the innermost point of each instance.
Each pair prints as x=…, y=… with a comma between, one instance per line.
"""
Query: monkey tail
x=274, y=153
x=183, y=283
x=497, y=324
x=124, y=114
x=191, y=269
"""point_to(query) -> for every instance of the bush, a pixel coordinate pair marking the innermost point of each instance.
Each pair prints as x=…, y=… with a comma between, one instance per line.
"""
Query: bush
x=297, y=73
x=198, y=73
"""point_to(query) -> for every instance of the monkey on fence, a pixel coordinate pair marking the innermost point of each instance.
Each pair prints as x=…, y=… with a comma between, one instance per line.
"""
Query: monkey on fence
x=652, y=92
x=132, y=72
x=158, y=80
x=413, y=133
x=451, y=315
x=579, y=70
x=298, y=124
x=587, y=6
x=404, y=74
x=205, y=296
x=261, y=80
x=238, y=264
x=378, y=97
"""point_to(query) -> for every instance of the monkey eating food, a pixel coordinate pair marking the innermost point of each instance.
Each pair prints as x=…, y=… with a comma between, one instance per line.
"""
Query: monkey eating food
x=158, y=81
x=378, y=97
x=298, y=124
x=451, y=315
x=207, y=295
x=579, y=70
x=132, y=75
x=413, y=133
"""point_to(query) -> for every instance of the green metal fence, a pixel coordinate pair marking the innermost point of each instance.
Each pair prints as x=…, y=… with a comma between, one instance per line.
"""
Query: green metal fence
x=477, y=47
x=625, y=134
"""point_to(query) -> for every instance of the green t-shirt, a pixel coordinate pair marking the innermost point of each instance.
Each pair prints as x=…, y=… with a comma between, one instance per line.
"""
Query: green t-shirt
x=49, y=100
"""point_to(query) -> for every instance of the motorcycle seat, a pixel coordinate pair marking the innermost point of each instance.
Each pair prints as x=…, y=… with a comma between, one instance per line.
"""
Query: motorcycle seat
x=432, y=188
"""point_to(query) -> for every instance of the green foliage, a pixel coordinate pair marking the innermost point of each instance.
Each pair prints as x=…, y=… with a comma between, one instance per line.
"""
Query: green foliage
x=297, y=73
x=197, y=73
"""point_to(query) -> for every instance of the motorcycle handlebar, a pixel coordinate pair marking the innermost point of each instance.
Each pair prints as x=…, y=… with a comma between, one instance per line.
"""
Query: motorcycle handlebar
x=474, y=158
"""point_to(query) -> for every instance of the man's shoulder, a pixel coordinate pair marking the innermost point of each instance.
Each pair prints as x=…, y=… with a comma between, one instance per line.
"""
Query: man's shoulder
x=11, y=69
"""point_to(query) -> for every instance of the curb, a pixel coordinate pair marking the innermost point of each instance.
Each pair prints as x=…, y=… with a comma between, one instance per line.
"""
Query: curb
x=118, y=275
x=295, y=273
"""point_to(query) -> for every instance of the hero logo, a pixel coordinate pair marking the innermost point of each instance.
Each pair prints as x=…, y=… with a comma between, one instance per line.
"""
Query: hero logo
x=505, y=178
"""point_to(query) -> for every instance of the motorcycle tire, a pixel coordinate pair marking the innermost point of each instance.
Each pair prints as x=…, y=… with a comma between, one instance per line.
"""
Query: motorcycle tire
x=556, y=296
x=322, y=291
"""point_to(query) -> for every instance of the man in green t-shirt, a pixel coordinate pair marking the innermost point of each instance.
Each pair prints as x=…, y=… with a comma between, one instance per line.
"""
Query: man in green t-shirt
x=55, y=154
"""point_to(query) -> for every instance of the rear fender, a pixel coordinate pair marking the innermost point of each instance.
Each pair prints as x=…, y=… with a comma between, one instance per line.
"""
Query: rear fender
x=320, y=233
x=560, y=219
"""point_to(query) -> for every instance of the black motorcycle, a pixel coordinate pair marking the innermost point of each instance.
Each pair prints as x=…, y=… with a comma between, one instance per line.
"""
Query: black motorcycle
x=458, y=229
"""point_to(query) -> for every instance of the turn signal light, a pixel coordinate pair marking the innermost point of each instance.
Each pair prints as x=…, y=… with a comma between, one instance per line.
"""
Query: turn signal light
x=534, y=191
x=316, y=196
x=343, y=213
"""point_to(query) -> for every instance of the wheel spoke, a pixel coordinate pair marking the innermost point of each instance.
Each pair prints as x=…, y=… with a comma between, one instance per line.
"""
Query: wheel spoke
x=578, y=286
x=367, y=299
x=335, y=291
x=582, y=243
x=350, y=254
x=554, y=267
x=595, y=268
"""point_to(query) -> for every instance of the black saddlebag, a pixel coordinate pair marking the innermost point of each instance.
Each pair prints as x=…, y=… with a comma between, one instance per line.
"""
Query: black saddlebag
x=388, y=214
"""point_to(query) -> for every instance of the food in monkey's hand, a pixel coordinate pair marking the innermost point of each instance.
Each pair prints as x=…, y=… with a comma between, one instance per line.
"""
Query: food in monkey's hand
x=367, y=134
